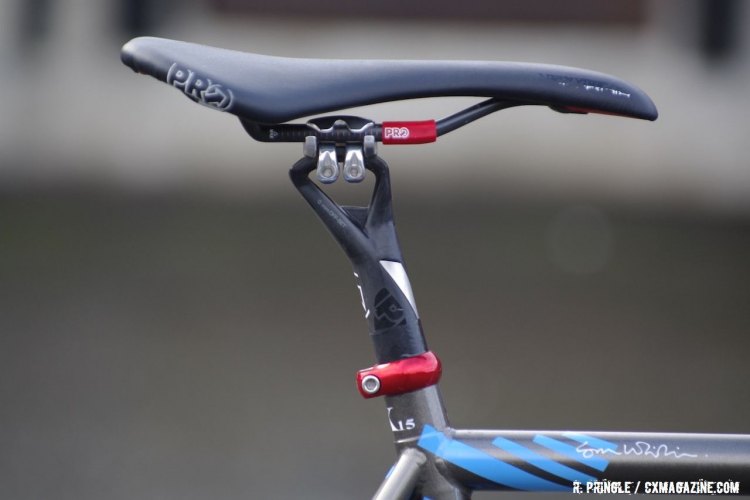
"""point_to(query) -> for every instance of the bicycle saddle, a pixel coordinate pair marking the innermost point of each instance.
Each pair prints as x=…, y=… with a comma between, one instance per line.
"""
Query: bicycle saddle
x=273, y=90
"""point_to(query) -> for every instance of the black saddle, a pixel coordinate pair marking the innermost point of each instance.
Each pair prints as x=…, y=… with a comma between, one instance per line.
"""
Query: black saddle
x=272, y=90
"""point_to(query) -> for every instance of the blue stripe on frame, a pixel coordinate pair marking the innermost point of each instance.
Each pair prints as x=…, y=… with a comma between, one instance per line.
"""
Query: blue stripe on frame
x=591, y=441
x=569, y=451
x=540, y=461
x=482, y=464
x=390, y=471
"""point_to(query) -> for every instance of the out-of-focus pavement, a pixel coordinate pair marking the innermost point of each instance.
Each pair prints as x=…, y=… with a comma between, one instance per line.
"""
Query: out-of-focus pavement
x=174, y=322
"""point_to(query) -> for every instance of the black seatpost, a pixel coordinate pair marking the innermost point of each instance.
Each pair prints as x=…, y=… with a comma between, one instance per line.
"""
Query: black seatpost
x=368, y=237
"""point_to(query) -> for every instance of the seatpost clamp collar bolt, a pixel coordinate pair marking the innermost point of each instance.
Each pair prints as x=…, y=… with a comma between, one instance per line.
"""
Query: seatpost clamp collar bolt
x=369, y=146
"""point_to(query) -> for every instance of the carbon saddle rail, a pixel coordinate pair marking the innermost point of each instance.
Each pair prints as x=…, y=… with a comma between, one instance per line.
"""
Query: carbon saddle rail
x=272, y=90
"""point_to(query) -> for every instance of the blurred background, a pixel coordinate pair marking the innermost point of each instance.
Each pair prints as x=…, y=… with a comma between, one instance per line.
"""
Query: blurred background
x=174, y=322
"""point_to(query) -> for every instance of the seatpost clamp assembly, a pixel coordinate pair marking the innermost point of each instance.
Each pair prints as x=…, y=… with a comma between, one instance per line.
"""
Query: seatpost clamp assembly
x=340, y=146
x=399, y=377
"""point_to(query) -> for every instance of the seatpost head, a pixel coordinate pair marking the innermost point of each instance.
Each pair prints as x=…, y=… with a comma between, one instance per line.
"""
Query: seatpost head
x=340, y=146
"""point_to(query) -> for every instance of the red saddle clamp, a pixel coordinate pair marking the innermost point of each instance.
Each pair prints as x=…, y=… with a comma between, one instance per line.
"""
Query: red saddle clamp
x=398, y=377
x=409, y=132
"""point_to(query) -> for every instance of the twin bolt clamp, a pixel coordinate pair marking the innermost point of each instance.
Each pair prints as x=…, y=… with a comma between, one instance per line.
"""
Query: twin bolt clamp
x=330, y=151
x=350, y=140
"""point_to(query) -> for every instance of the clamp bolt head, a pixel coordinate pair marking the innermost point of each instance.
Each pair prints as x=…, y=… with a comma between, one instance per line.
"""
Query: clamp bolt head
x=354, y=164
x=328, y=164
x=369, y=146
x=371, y=384
x=310, y=149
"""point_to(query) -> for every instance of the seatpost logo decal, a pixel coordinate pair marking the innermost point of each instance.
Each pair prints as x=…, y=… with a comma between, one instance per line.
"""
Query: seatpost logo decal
x=388, y=311
x=201, y=90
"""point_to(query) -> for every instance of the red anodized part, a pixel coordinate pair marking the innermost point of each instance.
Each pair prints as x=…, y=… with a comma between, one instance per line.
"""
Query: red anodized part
x=409, y=132
x=398, y=377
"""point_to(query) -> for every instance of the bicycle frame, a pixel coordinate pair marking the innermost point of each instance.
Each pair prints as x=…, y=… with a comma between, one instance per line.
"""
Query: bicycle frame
x=439, y=462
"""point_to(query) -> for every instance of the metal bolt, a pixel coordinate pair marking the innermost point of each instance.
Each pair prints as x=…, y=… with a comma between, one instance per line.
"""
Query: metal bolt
x=328, y=166
x=310, y=149
x=354, y=164
x=371, y=384
x=370, y=147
